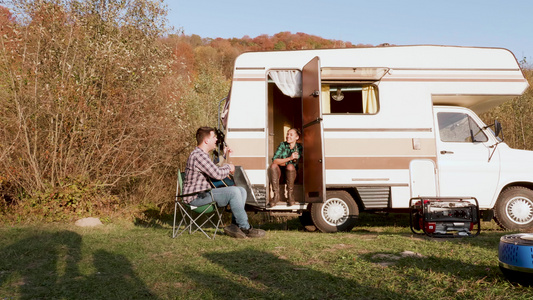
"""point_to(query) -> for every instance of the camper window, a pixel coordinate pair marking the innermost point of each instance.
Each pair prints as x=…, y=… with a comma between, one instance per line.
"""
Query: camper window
x=349, y=98
x=459, y=128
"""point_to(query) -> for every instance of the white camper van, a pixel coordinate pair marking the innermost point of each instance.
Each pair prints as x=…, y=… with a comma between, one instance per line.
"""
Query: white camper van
x=380, y=126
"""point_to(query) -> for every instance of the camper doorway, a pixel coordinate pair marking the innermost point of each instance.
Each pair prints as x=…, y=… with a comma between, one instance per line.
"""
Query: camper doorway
x=284, y=113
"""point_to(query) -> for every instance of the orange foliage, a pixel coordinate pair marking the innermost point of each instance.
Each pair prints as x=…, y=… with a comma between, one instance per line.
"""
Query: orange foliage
x=228, y=49
x=184, y=59
x=6, y=19
x=6, y=23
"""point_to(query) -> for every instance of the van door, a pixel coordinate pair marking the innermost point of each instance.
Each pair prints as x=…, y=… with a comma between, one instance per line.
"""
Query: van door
x=463, y=152
x=312, y=131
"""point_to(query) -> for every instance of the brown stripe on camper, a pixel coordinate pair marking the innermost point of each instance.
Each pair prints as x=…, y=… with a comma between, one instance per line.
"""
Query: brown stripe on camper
x=378, y=129
x=249, y=77
x=453, y=79
x=249, y=163
x=450, y=75
x=456, y=77
x=380, y=147
x=371, y=163
x=247, y=147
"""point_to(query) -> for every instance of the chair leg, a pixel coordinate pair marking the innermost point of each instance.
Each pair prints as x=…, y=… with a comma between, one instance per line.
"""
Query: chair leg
x=176, y=229
x=192, y=219
x=214, y=218
x=185, y=217
x=199, y=226
x=219, y=212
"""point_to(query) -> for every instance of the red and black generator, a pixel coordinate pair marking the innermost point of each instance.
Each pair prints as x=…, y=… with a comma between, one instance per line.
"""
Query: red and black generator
x=445, y=216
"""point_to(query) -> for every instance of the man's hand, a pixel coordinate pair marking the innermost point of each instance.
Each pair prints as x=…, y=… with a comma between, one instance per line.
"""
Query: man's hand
x=231, y=168
x=227, y=150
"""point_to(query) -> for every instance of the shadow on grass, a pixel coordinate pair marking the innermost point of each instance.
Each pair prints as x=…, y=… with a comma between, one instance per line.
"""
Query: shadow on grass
x=47, y=265
x=488, y=238
x=153, y=218
x=432, y=264
x=276, y=279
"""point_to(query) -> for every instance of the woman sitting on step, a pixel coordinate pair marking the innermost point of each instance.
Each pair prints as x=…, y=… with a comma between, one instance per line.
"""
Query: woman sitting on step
x=285, y=160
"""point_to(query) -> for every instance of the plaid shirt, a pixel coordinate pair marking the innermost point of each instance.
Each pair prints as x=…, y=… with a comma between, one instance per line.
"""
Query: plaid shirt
x=198, y=168
x=284, y=151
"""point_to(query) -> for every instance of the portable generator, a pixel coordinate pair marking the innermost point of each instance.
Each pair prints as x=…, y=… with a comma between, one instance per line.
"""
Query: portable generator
x=444, y=217
x=515, y=254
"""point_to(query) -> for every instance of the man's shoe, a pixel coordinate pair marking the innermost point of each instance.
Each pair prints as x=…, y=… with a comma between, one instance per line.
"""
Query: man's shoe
x=234, y=231
x=254, y=232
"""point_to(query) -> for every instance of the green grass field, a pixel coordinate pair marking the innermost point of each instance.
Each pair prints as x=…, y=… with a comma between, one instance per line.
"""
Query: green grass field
x=127, y=261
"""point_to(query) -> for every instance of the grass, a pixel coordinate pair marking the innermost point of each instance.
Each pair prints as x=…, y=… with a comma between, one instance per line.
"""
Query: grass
x=125, y=261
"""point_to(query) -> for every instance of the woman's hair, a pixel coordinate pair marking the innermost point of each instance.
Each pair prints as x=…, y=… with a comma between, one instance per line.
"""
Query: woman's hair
x=202, y=133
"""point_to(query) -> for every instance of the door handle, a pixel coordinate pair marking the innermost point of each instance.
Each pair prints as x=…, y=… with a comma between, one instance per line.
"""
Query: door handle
x=446, y=152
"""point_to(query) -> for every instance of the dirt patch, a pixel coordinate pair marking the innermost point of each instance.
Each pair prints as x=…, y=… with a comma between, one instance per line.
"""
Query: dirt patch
x=389, y=259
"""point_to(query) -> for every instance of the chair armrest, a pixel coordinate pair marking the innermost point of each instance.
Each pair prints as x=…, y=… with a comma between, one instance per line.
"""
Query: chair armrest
x=192, y=194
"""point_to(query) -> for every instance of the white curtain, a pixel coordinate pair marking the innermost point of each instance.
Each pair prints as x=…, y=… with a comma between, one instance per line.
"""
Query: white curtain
x=326, y=96
x=370, y=102
x=289, y=82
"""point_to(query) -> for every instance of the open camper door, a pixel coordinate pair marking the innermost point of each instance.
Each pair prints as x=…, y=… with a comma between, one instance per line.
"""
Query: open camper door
x=313, y=156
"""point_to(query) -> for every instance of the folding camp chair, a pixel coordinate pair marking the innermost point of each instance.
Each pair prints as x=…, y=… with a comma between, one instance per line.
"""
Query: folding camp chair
x=191, y=216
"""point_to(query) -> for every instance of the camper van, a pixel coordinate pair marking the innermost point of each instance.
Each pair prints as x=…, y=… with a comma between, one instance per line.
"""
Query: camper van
x=380, y=126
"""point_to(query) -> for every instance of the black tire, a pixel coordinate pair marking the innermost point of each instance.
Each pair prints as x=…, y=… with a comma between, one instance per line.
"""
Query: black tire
x=338, y=213
x=307, y=221
x=514, y=209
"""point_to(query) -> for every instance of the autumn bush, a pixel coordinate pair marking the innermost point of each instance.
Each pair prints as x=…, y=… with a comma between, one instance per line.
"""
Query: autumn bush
x=81, y=100
x=516, y=115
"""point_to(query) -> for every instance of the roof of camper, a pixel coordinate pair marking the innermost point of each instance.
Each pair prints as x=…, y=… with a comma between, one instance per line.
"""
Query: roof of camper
x=473, y=77
x=395, y=57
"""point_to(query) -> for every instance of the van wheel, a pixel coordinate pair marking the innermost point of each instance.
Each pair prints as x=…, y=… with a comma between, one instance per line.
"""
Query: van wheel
x=307, y=221
x=338, y=213
x=514, y=209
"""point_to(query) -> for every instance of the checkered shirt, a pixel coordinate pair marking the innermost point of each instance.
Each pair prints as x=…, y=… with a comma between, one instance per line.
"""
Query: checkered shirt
x=198, y=168
x=284, y=151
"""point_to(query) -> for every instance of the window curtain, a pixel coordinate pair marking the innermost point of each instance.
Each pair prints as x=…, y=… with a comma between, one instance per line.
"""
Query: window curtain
x=289, y=82
x=370, y=101
x=326, y=96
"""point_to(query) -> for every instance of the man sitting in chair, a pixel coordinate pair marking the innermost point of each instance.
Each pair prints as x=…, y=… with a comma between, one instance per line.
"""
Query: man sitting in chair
x=199, y=167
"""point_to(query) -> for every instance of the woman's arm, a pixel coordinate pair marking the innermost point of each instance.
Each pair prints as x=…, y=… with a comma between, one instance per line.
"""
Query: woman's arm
x=277, y=158
x=281, y=161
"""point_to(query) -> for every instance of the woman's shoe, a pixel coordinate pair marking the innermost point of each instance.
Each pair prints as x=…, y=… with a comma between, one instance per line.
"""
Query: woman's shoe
x=291, y=177
x=274, y=181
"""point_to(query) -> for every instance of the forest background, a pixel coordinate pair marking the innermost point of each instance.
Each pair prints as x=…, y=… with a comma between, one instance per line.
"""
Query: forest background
x=100, y=100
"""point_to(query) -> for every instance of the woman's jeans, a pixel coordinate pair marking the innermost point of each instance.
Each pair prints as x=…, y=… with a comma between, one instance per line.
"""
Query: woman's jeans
x=235, y=196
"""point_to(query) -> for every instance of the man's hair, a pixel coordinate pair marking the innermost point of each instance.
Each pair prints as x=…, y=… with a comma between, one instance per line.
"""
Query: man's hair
x=202, y=133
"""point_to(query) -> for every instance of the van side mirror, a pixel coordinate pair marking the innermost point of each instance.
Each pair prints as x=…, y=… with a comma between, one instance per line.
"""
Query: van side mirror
x=497, y=128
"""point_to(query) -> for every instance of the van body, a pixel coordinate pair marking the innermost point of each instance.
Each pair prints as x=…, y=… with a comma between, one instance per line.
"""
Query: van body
x=380, y=126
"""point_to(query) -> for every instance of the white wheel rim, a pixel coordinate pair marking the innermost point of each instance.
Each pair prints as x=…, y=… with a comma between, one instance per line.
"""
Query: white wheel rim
x=335, y=212
x=519, y=210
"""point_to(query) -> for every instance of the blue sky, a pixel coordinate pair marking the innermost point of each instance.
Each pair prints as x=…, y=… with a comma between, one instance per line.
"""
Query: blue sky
x=484, y=23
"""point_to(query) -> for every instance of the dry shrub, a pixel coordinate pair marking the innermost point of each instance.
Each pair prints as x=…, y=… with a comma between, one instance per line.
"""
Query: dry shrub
x=96, y=110
x=516, y=116
x=80, y=98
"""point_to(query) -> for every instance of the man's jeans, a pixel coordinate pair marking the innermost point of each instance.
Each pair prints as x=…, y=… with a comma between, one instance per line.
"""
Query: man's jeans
x=235, y=196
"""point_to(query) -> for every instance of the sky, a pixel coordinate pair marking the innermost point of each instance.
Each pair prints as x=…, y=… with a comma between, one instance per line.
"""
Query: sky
x=480, y=23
